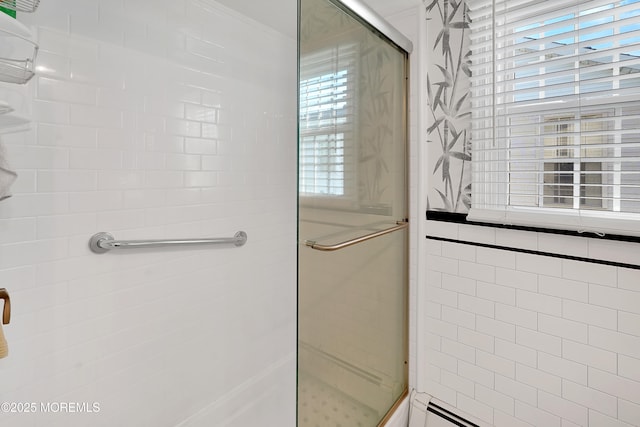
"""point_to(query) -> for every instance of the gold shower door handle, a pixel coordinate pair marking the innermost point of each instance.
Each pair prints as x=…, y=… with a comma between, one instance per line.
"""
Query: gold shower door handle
x=6, y=312
x=400, y=225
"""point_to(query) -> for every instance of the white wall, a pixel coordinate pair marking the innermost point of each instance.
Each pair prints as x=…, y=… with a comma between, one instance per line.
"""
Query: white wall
x=153, y=119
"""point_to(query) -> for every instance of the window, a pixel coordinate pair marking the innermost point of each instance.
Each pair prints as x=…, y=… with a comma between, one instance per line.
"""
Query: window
x=326, y=123
x=556, y=113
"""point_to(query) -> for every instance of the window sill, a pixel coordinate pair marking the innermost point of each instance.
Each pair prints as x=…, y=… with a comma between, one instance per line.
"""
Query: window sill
x=460, y=218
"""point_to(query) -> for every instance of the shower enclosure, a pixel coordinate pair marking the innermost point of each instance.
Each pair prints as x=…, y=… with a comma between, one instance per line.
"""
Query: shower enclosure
x=353, y=235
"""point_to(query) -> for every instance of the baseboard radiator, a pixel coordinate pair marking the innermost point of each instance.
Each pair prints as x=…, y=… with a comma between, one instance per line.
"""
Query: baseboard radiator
x=425, y=413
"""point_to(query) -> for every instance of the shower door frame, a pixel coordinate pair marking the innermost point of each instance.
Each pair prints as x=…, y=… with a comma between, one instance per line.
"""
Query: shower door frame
x=405, y=331
x=359, y=10
x=378, y=25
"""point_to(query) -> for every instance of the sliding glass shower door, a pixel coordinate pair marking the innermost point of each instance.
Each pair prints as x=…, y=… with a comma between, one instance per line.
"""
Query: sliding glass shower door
x=352, y=340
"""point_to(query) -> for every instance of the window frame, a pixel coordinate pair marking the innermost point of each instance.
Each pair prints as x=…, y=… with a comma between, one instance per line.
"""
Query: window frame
x=574, y=218
x=349, y=198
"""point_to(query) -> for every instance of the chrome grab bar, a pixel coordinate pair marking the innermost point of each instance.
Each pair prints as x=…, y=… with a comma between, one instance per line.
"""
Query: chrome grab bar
x=400, y=225
x=103, y=242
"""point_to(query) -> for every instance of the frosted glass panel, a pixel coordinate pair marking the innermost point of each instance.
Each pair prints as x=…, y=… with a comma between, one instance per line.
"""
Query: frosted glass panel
x=352, y=340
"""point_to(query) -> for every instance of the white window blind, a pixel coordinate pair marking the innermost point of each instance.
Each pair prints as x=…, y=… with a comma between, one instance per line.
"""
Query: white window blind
x=326, y=122
x=556, y=113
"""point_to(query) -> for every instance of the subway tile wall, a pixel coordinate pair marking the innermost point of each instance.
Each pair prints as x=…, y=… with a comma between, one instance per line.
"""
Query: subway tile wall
x=518, y=339
x=152, y=119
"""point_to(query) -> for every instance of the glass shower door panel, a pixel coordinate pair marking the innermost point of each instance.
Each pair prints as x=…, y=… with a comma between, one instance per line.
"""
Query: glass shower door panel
x=351, y=333
x=352, y=341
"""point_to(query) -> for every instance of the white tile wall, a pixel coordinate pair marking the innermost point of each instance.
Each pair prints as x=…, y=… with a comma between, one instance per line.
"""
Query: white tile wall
x=153, y=119
x=562, y=344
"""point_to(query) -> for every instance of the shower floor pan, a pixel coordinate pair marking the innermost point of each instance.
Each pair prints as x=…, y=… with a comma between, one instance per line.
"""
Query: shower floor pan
x=321, y=405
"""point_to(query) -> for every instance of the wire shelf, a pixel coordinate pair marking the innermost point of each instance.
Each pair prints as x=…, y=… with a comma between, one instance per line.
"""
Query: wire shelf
x=16, y=71
x=18, y=51
x=21, y=5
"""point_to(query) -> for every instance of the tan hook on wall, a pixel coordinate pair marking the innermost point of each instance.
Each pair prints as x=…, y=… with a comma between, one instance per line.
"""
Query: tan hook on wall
x=6, y=312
